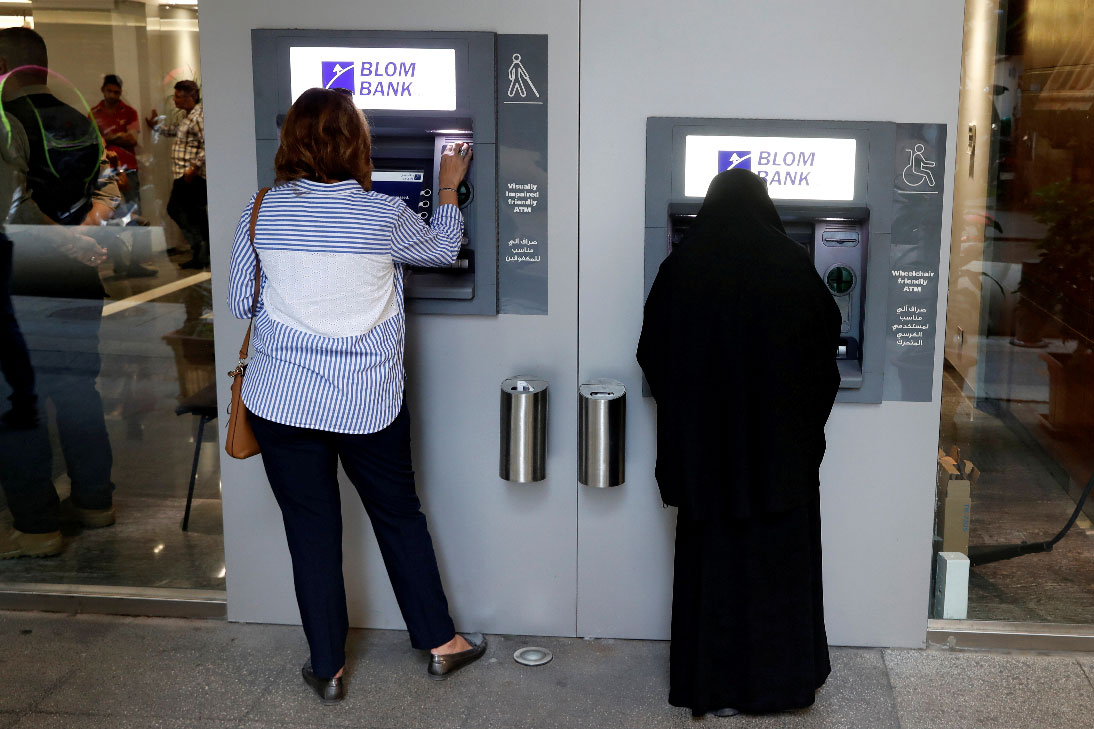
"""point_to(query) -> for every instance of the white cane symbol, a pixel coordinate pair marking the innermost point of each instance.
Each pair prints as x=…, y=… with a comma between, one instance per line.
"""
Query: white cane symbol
x=518, y=77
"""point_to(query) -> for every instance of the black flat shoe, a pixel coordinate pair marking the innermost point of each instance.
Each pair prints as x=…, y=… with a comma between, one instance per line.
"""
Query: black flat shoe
x=441, y=666
x=330, y=690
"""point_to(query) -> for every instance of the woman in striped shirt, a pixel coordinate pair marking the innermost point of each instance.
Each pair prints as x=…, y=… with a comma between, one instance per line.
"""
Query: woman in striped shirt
x=325, y=380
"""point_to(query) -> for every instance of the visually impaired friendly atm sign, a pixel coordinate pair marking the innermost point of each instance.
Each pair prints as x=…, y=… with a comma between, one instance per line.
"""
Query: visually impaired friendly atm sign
x=379, y=78
x=796, y=168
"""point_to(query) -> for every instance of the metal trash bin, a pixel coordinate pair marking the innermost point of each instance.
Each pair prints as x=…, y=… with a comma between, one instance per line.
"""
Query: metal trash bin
x=602, y=433
x=523, y=429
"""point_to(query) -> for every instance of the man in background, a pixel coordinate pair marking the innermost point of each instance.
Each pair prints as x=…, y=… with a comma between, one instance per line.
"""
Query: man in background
x=188, y=205
x=119, y=125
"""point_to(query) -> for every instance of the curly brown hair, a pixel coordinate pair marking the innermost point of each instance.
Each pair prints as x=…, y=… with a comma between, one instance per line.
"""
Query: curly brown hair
x=325, y=138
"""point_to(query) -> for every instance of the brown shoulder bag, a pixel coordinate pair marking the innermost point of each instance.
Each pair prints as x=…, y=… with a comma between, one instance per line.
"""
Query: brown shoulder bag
x=240, y=441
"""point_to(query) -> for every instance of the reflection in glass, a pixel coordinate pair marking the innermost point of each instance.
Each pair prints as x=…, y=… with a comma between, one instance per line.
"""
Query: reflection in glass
x=1018, y=395
x=105, y=320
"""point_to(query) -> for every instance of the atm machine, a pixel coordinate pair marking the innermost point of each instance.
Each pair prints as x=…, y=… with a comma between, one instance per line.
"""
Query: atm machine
x=420, y=92
x=831, y=183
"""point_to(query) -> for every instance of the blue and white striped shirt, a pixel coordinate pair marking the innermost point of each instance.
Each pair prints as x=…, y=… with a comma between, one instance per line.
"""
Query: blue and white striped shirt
x=328, y=336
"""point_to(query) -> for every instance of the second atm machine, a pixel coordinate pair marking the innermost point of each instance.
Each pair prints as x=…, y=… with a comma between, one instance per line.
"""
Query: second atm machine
x=420, y=92
x=831, y=183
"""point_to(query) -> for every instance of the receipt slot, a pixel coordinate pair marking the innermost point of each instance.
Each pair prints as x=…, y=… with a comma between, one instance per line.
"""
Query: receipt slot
x=421, y=91
x=829, y=182
x=523, y=451
x=602, y=433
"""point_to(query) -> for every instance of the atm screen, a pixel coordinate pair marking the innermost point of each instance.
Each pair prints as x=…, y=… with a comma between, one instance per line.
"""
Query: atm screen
x=378, y=78
x=407, y=185
x=795, y=168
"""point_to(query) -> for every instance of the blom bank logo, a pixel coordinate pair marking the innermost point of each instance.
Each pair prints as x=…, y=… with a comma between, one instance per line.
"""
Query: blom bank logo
x=795, y=168
x=338, y=75
x=379, y=78
x=775, y=167
x=734, y=160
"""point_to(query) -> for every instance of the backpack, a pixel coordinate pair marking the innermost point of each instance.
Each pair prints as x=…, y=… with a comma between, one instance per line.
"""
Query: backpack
x=66, y=152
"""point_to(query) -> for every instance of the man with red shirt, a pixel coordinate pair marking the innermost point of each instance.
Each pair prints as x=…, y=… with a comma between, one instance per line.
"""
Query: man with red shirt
x=119, y=126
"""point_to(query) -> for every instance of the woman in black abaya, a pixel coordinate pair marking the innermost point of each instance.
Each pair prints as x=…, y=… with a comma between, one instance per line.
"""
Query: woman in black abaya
x=739, y=345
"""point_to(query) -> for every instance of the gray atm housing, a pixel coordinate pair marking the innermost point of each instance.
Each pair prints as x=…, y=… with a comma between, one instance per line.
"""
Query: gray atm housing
x=404, y=138
x=849, y=240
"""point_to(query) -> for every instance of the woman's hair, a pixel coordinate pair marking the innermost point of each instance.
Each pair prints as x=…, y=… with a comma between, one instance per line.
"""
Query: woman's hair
x=325, y=139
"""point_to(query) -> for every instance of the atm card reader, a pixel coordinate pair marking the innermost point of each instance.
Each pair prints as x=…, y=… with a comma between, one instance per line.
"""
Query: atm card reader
x=840, y=238
x=457, y=281
x=406, y=156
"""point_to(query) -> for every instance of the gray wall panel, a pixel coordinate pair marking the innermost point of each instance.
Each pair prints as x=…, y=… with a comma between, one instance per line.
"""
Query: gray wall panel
x=553, y=557
x=507, y=552
x=775, y=60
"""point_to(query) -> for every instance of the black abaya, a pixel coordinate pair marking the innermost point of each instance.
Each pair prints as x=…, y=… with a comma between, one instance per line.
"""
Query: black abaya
x=738, y=345
x=747, y=613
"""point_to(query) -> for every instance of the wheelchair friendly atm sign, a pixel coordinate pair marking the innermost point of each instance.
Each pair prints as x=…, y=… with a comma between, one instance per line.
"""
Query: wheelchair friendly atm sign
x=379, y=78
x=795, y=168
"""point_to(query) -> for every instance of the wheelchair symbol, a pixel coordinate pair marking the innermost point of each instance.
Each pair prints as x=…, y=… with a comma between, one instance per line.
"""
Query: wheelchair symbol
x=918, y=169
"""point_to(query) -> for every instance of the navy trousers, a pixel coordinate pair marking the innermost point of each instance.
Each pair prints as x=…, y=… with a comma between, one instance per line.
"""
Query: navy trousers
x=14, y=357
x=302, y=467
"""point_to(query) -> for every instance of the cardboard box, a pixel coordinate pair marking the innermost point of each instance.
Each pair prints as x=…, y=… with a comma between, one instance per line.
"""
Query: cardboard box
x=956, y=506
x=956, y=477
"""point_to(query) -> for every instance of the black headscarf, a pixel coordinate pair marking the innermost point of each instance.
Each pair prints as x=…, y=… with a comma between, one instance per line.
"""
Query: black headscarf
x=738, y=345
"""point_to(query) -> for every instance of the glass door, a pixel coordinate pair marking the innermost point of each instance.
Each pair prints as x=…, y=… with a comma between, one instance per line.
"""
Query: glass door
x=108, y=458
x=1018, y=388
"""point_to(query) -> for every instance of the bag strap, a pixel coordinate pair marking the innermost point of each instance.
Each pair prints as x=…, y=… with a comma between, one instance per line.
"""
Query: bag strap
x=258, y=275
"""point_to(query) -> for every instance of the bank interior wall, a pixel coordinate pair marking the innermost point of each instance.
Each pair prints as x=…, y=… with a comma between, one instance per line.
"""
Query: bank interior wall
x=554, y=557
x=150, y=47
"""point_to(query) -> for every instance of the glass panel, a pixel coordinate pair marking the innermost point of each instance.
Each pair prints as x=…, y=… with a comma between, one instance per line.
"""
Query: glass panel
x=1018, y=392
x=113, y=372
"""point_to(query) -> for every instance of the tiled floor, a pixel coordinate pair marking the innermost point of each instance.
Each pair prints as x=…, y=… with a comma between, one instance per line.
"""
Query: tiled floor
x=100, y=672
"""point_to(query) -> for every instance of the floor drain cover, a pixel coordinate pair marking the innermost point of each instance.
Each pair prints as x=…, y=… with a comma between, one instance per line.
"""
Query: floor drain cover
x=532, y=656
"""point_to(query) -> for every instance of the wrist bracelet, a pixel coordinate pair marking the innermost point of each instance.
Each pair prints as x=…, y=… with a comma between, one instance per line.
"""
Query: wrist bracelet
x=449, y=188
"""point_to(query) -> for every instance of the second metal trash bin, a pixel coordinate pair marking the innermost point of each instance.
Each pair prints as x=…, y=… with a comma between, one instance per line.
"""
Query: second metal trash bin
x=602, y=431
x=523, y=456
